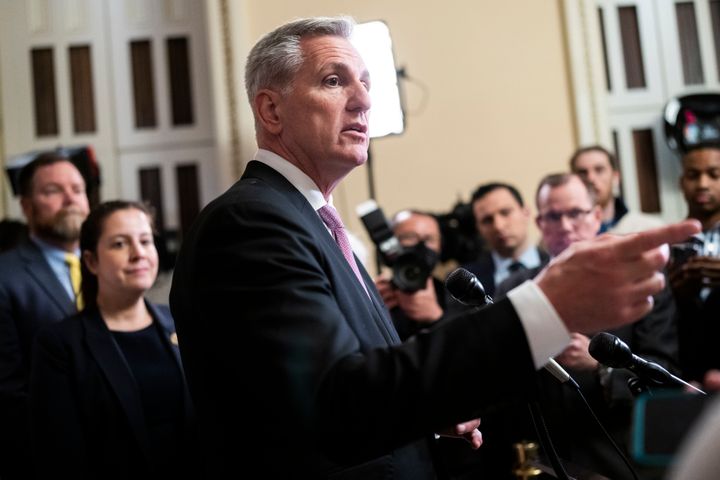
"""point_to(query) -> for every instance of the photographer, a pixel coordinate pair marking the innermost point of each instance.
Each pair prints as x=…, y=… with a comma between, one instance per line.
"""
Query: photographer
x=412, y=311
x=694, y=270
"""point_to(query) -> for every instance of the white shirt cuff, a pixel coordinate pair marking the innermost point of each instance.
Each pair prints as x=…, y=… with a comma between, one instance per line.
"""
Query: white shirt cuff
x=545, y=331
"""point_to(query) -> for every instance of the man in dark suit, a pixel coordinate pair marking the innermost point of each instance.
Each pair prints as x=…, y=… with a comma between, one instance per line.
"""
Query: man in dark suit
x=35, y=289
x=292, y=360
x=567, y=213
x=502, y=220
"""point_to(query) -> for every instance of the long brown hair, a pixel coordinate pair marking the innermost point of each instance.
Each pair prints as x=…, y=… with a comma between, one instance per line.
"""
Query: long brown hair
x=90, y=233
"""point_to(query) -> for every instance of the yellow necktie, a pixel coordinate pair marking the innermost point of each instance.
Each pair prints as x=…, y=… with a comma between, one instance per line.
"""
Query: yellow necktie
x=73, y=262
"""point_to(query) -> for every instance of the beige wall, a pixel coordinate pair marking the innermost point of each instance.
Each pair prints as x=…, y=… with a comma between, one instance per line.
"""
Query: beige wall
x=498, y=103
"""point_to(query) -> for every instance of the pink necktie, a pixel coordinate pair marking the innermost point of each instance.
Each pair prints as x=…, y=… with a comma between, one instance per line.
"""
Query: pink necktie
x=331, y=218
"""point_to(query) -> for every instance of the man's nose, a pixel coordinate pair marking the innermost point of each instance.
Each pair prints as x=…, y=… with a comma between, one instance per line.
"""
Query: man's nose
x=359, y=98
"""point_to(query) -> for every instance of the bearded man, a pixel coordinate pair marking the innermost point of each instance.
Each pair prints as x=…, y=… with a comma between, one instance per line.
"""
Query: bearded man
x=39, y=285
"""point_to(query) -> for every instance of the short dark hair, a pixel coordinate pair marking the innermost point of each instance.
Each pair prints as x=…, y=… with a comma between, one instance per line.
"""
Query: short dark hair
x=486, y=188
x=27, y=173
x=612, y=159
x=554, y=180
x=90, y=233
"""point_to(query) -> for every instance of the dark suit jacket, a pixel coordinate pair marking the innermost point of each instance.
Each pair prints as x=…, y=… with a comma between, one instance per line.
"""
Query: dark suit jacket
x=271, y=317
x=31, y=297
x=653, y=337
x=698, y=332
x=484, y=269
x=86, y=411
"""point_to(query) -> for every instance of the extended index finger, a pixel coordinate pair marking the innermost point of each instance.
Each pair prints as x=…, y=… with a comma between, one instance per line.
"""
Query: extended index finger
x=632, y=246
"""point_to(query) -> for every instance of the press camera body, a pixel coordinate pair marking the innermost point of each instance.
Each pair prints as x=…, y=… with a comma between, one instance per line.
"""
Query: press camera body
x=411, y=266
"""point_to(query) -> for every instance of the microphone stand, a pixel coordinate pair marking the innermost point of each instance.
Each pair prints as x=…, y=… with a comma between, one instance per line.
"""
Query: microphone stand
x=544, y=436
x=538, y=421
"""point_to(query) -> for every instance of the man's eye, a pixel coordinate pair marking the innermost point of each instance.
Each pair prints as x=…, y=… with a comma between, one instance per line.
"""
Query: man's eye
x=332, y=81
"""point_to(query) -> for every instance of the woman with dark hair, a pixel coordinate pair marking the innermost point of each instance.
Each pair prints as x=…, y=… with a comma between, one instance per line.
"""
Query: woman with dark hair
x=107, y=392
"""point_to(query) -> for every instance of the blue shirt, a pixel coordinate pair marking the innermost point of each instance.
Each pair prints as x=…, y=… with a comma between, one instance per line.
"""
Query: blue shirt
x=530, y=258
x=56, y=259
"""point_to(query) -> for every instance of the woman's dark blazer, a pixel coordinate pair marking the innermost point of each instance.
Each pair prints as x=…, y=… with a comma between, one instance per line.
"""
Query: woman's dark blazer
x=87, y=417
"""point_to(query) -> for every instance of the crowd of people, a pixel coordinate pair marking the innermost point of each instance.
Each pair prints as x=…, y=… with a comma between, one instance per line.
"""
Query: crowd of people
x=289, y=359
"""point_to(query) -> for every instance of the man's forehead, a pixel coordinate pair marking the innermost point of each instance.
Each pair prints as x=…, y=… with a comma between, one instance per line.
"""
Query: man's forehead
x=51, y=171
x=592, y=159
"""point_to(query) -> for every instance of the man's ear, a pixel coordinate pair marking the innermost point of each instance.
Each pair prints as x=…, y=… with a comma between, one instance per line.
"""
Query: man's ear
x=26, y=205
x=266, y=108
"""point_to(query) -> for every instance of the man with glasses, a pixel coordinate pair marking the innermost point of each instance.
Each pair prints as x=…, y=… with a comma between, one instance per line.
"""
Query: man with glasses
x=568, y=213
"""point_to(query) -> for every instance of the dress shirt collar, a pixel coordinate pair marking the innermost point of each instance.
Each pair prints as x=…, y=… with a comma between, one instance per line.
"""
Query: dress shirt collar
x=295, y=176
x=55, y=257
x=530, y=258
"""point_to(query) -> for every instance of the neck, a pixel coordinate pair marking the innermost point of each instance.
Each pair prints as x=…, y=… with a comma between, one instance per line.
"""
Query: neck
x=68, y=246
x=608, y=210
x=516, y=252
x=325, y=179
x=708, y=220
x=124, y=314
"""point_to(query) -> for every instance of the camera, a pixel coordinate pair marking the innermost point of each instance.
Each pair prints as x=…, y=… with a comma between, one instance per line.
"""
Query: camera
x=411, y=266
x=706, y=246
x=682, y=252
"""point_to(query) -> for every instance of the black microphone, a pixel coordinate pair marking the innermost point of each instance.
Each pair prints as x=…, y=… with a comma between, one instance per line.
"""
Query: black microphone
x=464, y=286
x=613, y=352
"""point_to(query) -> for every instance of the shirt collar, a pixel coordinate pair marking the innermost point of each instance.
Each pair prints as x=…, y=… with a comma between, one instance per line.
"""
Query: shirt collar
x=530, y=258
x=305, y=185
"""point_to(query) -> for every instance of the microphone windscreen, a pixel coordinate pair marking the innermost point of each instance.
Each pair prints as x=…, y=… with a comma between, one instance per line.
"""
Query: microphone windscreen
x=610, y=350
x=459, y=282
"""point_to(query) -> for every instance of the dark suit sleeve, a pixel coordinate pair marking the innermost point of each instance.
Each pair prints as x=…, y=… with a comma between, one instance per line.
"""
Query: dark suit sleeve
x=14, y=440
x=272, y=325
x=57, y=439
x=654, y=338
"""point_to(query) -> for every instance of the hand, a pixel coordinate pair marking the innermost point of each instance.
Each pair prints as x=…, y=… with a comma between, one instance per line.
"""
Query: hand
x=422, y=305
x=467, y=430
x=609, y=281
x=711, y=381
x=387, y=291
x=688, y=278
x=576, y=355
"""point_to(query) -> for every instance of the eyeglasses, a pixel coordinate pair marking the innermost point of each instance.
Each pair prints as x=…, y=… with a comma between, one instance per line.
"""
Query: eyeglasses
x=553, y=218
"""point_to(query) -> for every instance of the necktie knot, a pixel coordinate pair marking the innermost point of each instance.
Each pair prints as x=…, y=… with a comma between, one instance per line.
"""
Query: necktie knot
x=331, y=218
x=73, y=263
x=516, y=267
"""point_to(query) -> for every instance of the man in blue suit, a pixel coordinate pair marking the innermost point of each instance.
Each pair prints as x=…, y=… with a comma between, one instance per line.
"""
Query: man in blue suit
x=36, y=289
x=291, y=358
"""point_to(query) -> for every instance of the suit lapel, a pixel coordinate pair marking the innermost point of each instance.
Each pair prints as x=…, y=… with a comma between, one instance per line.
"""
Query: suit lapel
x=39, y=270
x=109, y=357
x=374, y=309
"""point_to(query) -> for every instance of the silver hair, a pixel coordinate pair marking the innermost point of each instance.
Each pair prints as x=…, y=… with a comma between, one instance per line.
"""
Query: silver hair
x=277, y=56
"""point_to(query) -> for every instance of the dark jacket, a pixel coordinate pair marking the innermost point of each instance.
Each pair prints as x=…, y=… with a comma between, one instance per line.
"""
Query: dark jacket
x=31, y=297
x=271, y=317
x=575, y=434
x=86, y=409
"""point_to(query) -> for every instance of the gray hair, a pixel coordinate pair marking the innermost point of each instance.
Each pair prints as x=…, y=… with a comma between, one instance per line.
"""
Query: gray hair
x=277, y=56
